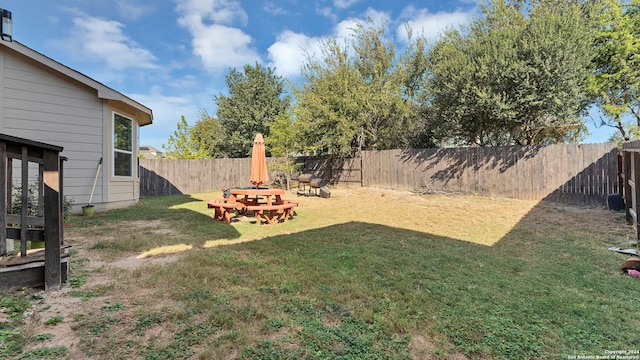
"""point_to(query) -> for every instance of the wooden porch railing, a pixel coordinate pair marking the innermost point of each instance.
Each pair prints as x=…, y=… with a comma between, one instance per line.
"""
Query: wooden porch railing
x=45, y=222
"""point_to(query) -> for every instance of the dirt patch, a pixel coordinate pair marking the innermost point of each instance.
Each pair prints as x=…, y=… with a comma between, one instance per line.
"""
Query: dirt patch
x=155, y=226
x=101, y=276
x=420, y=347
x=133, y=262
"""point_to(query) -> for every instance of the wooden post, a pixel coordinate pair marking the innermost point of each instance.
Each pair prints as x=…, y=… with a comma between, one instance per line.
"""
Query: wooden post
x=52, y=235
x=9, y=184
x=621, y=174
x=627, y=186
x=3, y=198
x=40, y=190
x=24, y=212
x=61, y=171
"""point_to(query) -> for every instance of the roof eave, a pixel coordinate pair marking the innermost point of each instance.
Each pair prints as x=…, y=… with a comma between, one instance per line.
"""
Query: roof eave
x=143, y=114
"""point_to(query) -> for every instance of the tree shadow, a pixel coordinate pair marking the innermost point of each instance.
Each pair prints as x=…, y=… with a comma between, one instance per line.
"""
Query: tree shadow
x=333, y=170
x=567, y=173
x=450, y=163
x=592, y=185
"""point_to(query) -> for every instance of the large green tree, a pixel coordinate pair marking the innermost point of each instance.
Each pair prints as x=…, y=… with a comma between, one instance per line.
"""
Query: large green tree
x=284, y=144
x=615, y=82
x=359, y=94
x=255, y=97
x=184, y=144
x=514, y=76
x=327, y=106
x=210, y=131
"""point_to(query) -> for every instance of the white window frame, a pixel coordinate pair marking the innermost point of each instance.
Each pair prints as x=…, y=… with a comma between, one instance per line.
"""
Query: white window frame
x=136, y=146
x=114, y=150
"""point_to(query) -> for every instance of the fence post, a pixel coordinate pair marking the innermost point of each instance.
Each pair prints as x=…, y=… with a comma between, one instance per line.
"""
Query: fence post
x=361, y=169
x=621, y=175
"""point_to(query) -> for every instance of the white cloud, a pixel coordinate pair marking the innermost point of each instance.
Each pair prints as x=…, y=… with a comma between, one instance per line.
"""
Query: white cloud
x=343, y=4
x=345, y=28
x=131, y=11
x=103, y=40
x=431, y=25
x=273, y=9
x=186, y=82
x=379, y=17
x=217, y=45
x=290, y=51
x=225, y=12
x=327, y=12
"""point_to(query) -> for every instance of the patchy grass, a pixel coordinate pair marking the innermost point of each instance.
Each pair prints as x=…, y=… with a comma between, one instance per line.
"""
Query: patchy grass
x=12, y=311
x=14, y=307
x=356, y=276
x=54, y=321
x=44, y=353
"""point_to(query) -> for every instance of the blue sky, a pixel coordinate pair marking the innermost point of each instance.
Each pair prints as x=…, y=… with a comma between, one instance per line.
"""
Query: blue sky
x=173, y=55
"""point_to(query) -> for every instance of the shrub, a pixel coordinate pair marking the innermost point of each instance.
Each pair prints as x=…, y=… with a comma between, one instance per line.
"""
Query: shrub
x=32, y=201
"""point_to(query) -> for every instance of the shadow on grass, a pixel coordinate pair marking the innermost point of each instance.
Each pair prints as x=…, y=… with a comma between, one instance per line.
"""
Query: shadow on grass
x=548, y=289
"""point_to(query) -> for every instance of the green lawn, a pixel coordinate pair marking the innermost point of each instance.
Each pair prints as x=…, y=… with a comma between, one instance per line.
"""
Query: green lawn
x=356, y=276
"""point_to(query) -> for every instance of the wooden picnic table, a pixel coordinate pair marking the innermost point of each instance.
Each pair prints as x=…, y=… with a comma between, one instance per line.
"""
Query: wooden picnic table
x=256, y=196
x=266, y=204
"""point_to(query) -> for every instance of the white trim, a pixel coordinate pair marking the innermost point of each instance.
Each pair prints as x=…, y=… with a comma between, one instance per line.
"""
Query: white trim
x=2, y=60
x=114, y=150
x=136, y=148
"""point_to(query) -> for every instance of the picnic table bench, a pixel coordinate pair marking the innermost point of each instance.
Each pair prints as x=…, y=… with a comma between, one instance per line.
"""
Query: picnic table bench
x=272, y=214
x=222, y=209
x=259, y=201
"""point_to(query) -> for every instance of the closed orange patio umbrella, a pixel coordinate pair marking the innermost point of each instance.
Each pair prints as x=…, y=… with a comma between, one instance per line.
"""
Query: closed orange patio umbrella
x=259, y=173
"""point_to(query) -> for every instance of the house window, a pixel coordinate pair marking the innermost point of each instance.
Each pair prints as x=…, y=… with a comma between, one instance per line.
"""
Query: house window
x=138, y=157
x=122, y=145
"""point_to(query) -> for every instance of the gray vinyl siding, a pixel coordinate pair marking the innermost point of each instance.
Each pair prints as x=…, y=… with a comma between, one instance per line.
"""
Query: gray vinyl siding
x=42, y=106
x=45, y=101
x=123, y=190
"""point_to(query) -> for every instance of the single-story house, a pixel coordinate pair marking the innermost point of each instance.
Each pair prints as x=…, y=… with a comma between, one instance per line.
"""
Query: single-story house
x=150, y=152
x=46, y=101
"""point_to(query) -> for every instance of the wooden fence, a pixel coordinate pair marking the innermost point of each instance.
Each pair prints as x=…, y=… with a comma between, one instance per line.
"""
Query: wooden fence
x=572, y=174
x=335, y=171
x=566, y=173
x=170, y=177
